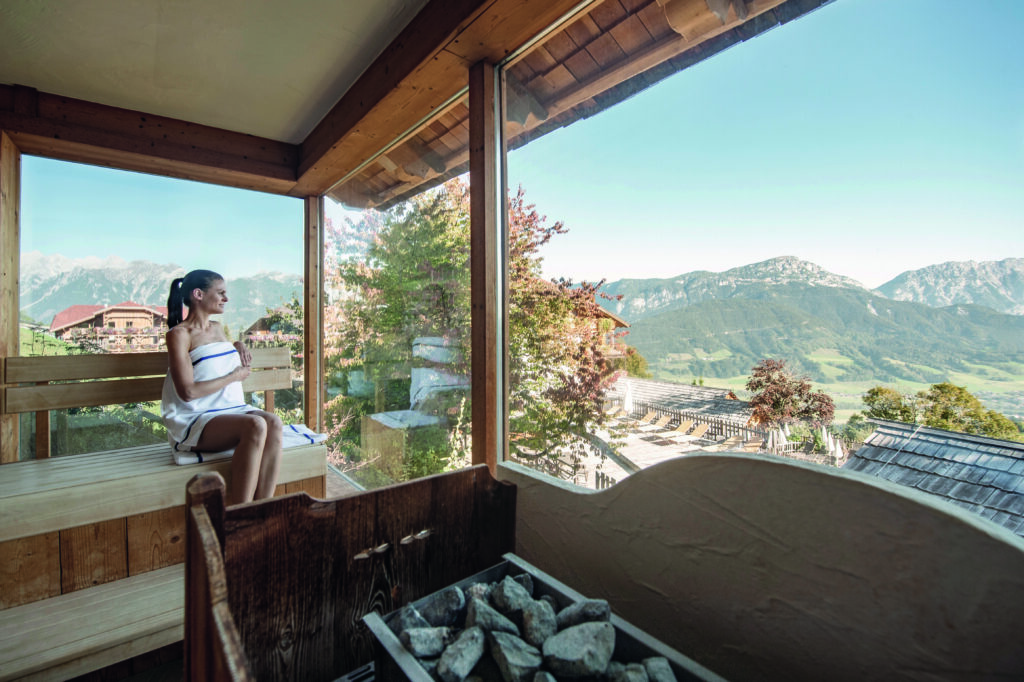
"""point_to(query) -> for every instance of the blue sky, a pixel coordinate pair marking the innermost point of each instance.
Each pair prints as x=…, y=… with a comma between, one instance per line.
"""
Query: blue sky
x=870, y=137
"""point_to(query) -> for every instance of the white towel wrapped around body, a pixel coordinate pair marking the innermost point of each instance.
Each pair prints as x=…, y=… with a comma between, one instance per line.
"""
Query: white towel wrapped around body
x=186, y=419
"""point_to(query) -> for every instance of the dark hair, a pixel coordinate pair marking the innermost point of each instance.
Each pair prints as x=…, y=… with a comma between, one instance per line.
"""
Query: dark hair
x=181, y=292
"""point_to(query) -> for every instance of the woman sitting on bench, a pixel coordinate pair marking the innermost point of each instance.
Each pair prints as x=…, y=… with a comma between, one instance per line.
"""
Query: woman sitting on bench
x=203, y=406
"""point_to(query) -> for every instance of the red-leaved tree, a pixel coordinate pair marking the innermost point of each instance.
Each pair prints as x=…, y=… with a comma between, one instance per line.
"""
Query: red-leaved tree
x=780, y=397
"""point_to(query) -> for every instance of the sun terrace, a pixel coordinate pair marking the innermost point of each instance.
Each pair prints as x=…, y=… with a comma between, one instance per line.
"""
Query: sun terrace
x=750, y=567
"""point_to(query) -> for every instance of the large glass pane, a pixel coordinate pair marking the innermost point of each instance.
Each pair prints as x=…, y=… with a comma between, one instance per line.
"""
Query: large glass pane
x=754, y=249
x=99, y=249
x=397, y=315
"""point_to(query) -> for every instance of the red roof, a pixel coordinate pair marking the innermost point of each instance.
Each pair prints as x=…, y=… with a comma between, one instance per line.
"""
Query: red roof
x=77, y=314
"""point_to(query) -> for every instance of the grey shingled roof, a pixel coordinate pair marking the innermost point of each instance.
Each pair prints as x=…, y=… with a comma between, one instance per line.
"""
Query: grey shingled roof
x=982, y=475
x=712, y=402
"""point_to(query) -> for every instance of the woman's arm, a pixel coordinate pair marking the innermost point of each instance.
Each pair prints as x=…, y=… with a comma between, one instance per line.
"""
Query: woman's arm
x=180, y=368
x=243, y=353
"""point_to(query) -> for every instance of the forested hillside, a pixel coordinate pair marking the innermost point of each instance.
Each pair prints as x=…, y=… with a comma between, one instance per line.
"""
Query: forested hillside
x=718, y=325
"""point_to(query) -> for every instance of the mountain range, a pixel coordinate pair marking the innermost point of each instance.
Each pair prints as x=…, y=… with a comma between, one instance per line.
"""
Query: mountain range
x=960, y=317
x=920, y=327
x=49, y=284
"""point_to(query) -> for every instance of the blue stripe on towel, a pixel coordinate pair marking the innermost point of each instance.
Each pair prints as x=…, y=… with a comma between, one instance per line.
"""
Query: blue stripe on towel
x=216, y=355
x=306, y=435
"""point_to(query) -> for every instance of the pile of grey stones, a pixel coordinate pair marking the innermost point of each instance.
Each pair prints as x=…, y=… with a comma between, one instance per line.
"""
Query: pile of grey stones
x=498, y=631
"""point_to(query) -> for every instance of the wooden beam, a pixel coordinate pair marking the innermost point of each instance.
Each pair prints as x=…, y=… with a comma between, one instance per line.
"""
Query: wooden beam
x=486, y=268
x=648, y=58
x=75, y=130
x=420, y=71
x=415, y=48
x=10, y=257
x=312, y=311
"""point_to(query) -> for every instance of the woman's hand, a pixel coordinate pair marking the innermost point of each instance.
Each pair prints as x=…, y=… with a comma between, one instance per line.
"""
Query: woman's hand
x=241, y=373
x=243, y=353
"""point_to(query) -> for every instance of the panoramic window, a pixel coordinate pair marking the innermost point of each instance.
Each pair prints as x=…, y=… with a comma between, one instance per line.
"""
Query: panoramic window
x=758, y=249
x=99, y=249
x=397, y=312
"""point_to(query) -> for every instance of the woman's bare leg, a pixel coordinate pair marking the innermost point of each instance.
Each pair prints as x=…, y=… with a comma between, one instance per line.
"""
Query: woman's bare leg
x=270, y=462
x=247, y=434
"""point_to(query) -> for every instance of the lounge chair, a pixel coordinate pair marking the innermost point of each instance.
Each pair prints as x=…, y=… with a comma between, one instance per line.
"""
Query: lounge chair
x=658, y=425
x=684, y=426
x=753, y=445
x=731, y=443
x=698, y=432
x=646, y=419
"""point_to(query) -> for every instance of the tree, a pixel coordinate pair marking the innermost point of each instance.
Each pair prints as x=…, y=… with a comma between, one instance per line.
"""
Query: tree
x=411, y=279
x=633, y=364
x=942, y=406
x=780, y=397
x=887, y=403
x=954, y=408
x=558, y=374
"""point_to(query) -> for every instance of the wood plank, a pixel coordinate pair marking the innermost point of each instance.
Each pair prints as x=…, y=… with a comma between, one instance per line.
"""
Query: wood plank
x=314, y=384
x=655, y=54
x=308, y=550
x=29, y=569
x=75, y=633
x=116, y=392
x=35, y=499
x=630, y=34
x=417, y=45
x=117, y=365
x=77, y=130
x=156, y=539
x=485, y=267
x=92, y=555
x=10, y=259
x=65, y=396
x=394, y=94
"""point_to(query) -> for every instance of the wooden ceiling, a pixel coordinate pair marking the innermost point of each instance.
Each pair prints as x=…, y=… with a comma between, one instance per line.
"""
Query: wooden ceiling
x=599, y=57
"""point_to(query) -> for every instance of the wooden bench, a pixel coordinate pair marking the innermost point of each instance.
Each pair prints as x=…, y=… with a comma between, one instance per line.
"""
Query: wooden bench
x=276, y=589
x=92, y=545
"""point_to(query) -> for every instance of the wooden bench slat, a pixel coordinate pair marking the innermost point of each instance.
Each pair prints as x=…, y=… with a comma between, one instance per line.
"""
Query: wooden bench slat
x=117, y=391
x=85, y=394
x=268, y=380
x=79, y=631
x=88, y=494
x=20, y=370
x=78, y=367
x=116, y=379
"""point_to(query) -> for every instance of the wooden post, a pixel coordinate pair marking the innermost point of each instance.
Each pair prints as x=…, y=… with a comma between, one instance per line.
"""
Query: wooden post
x=10, y=240
x=312, y=311
x=486, y=245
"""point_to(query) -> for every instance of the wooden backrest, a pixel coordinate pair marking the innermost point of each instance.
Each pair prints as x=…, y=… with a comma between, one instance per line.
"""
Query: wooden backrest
x=684, y=426
x=66, y=381
x=300, y=573
x=41, y=384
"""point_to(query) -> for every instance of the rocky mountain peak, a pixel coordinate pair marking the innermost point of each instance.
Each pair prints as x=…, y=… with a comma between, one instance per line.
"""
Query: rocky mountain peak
x=789, y=269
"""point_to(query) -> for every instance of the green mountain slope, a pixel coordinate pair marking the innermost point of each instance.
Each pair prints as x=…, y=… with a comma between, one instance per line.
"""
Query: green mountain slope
x=871, y=338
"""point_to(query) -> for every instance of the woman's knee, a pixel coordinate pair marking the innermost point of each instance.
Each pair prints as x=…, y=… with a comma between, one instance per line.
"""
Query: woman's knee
x=273, y=423
x=256, y=428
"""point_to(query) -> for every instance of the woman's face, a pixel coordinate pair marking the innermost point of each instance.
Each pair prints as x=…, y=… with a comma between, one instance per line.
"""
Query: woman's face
x=213, y=299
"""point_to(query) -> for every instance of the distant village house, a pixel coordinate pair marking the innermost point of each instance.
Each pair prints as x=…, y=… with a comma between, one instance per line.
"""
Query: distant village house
x=121, y=328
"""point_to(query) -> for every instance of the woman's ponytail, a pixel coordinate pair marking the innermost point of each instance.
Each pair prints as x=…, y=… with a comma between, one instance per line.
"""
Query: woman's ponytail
x=181, y=293
x=175, y=303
